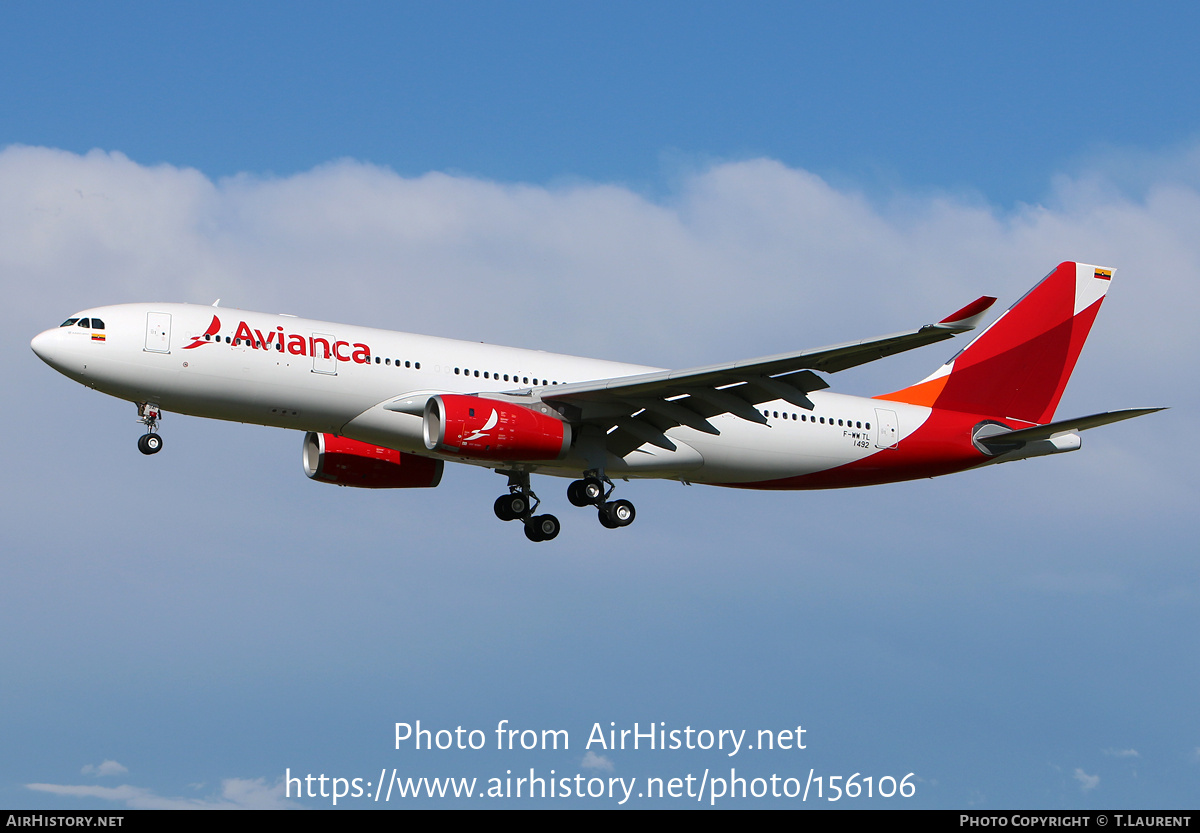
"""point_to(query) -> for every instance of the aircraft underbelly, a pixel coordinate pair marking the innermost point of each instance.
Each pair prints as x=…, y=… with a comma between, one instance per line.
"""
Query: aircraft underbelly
x=750, y=453
x=283, y=399
x=744, y=463
x=659, y=462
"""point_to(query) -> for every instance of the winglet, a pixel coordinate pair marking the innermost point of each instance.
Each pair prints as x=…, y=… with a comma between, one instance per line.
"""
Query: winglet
x=969, y=316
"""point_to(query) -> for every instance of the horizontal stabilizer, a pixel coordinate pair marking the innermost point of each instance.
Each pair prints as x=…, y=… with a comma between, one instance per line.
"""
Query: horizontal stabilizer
x=1009, y=439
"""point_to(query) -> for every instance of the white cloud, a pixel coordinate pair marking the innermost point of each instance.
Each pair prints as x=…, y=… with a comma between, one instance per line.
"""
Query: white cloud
x=741, y=259
x=1087, y=783
x=593, y=761
x=108, y=767
x=235, y=794
x=766, y=256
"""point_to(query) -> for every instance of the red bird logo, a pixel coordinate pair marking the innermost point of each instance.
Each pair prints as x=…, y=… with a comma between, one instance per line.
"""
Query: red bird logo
x=213, y=329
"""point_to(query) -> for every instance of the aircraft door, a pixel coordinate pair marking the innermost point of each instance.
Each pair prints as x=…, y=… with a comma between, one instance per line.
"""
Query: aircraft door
x=889, y=428
x=323, y=354
x=158, y=332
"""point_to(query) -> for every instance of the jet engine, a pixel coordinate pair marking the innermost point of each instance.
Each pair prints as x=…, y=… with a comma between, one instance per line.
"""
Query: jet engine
x=489, y=429
x=329, y=458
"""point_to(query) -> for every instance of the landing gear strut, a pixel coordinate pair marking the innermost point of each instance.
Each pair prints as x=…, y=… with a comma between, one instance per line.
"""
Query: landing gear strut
x=520, y=504
x=149, y=415
x=591, y=491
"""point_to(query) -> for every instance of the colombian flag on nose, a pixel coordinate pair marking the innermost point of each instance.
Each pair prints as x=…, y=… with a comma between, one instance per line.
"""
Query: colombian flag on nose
x=1104, y=274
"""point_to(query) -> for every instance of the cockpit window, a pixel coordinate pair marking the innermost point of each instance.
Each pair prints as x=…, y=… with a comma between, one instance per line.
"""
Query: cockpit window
x=97, y=324
x=68, y=322
x=83, y=322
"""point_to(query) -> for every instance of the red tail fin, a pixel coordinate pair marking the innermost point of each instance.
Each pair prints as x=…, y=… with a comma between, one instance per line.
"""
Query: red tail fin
x=1019, y=366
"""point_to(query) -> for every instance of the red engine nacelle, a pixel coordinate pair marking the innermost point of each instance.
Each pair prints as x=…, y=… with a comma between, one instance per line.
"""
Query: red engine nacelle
x=488, y=429
x=333, y=459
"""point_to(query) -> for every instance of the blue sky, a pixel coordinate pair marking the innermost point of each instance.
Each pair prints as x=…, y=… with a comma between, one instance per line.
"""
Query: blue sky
x=672, y=185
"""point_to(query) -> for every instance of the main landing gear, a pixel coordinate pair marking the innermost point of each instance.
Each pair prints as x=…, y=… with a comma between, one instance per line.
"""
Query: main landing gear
x=591, y=491
x=520, y=503
x=149, y=415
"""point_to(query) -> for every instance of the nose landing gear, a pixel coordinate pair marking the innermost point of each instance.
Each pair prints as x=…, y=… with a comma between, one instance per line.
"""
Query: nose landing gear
x=149, y=415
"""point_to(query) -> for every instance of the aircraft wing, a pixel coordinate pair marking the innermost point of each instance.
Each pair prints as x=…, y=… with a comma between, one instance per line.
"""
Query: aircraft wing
x=643, y=407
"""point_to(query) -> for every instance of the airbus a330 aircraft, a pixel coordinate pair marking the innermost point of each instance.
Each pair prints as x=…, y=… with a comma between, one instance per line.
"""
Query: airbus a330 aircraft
x=385, y=409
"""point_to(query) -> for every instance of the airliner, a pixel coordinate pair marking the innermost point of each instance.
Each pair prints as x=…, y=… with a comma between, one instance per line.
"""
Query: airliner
x=384, y=409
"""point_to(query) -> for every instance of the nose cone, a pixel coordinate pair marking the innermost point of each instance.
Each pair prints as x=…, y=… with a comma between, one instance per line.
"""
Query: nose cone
x=49, y=348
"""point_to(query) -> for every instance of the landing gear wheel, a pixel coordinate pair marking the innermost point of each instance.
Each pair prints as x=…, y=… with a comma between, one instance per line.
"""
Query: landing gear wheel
x=149, y=443
x=501, y=508
x=618, y=513
x=586, y=492
x=510, y=507
x=576, y=495
x=593, y=489
x=542, y=528
x=605, y=521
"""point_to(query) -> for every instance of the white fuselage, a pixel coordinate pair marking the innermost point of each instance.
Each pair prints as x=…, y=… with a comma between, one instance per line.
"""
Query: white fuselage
x=290, y=372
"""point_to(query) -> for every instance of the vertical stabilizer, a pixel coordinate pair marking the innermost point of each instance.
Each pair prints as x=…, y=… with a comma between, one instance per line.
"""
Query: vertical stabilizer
x=1019, y=366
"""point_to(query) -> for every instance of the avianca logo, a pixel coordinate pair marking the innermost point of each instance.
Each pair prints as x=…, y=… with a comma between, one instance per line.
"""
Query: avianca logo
x=480, y=433
x=294, y=343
